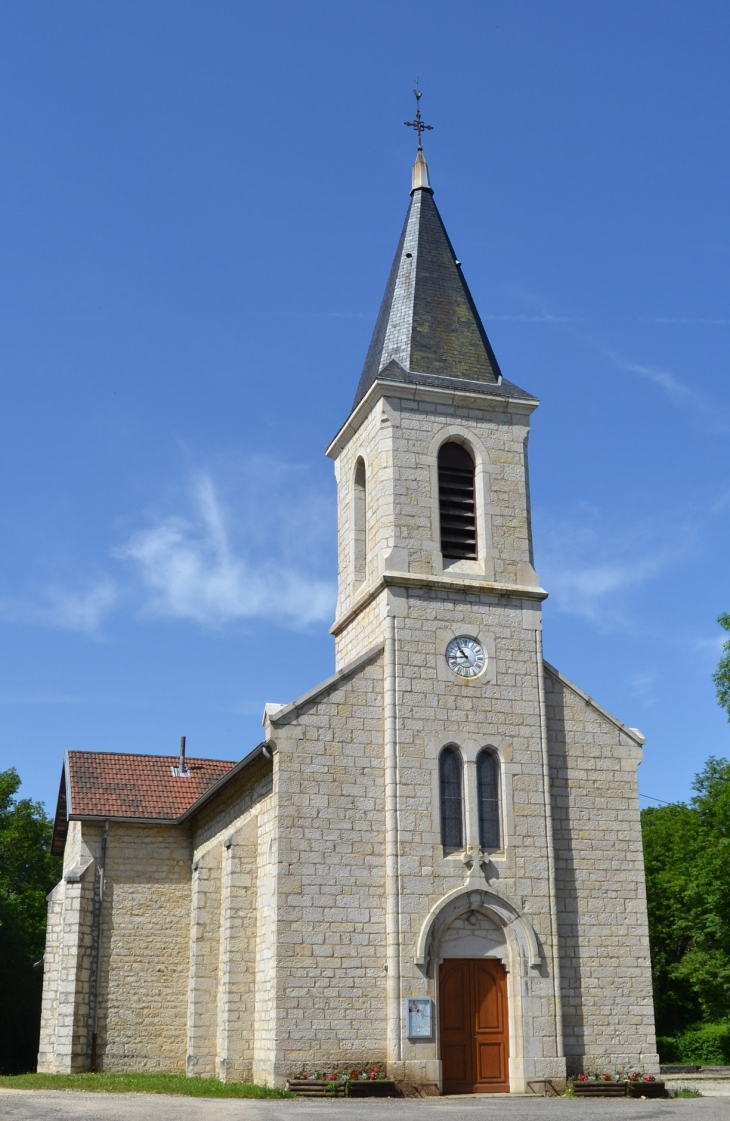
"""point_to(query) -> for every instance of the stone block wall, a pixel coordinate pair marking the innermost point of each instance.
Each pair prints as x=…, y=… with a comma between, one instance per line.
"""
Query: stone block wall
x=145, y=948
x=65, y=1041
x=330, y=979
x=231, y=1021
x=608, y=1013
x=399, y=441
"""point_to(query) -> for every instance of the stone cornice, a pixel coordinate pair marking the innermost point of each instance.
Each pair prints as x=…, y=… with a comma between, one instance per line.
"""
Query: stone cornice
x=435, y=583
x=458, y=393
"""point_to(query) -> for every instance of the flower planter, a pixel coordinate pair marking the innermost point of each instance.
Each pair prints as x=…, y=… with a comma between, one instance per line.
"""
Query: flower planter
x=600, y=1088
x=372, y=1088
x=340, y=1088
x=316, y=1088
x=646, y=1089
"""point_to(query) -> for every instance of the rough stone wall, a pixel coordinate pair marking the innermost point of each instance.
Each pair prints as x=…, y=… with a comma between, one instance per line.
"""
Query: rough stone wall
x=358, y=640
x=51, y=980
x=65, y=1044
x=231, y=1024
x=399, y=441
x=230, y=806
x=204, y=964
x=330, y=943
x=68, y=973
x=145, y=948
x=605, y=965
x=372, y=445
x=237, y=969
x=501, y=710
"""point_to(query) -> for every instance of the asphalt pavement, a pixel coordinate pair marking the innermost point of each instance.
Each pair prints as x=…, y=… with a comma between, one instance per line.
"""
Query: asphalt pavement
x=67, y=1105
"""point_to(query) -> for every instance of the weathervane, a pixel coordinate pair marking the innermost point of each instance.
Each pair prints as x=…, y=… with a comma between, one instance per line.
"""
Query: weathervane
x=418, y=124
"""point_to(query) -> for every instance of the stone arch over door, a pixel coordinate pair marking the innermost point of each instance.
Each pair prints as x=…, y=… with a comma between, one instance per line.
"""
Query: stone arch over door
x=501, y=932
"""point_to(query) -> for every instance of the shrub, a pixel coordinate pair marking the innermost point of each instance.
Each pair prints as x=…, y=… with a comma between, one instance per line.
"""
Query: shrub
x=704, y=1045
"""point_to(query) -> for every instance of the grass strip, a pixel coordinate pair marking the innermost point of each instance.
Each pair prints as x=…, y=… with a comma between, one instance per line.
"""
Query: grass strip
x=141, y=1084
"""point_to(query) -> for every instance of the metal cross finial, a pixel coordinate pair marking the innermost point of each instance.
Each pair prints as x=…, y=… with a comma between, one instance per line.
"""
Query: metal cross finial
x=418, y=124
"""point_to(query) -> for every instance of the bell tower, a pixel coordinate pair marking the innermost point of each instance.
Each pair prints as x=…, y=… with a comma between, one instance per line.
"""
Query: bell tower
x=432, y=463
x=435, y=564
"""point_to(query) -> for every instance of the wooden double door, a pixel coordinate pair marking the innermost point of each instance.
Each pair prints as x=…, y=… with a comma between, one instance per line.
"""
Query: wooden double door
x=474, y=1026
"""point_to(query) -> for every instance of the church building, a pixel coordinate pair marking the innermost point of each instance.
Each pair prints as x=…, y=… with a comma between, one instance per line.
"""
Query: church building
x=433, y=859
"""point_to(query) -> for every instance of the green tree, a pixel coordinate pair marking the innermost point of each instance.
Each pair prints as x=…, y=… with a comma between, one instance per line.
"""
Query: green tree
x=669, y=832
x=687, y=860
x=721, y=676
x=27, y=874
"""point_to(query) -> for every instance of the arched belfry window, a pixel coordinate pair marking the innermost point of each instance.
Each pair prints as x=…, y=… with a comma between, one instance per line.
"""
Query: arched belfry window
x=451, y=788
x=490, y=833
x=456, y=503
x=359, y=519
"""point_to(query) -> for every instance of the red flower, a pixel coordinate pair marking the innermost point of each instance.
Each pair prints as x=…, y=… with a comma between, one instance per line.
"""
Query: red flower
x=582, y=1078
x=607, y=1078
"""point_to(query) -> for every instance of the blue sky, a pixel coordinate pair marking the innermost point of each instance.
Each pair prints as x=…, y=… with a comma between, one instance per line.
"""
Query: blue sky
x=199, y=204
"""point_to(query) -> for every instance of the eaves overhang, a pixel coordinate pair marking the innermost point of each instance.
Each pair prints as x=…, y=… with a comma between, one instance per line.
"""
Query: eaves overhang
x=64, y=809
x=428, y=387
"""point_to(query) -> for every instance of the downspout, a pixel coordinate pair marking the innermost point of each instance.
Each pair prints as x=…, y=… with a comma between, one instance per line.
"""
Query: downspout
x=392, y=871
x=549, y=840
x=97, y=963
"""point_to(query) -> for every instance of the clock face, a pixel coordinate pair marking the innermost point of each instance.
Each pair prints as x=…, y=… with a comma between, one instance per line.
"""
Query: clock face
x=465, y=656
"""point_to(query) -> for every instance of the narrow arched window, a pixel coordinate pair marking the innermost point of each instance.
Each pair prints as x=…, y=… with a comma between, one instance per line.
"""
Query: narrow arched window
x=452, y=799
x=359, y=520
x=456, y=502
x=490, y=834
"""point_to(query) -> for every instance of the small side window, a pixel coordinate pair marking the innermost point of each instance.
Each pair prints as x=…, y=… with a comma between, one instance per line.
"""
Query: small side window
x=451, y=785
x=359, y=523
x=490, y=833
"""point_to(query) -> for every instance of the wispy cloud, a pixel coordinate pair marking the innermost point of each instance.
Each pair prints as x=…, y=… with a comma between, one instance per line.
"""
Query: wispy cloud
x=593, y=568
x=711, y=646
x=81, y=609
x=680, y=393
x=642, y=684
x=200, y=568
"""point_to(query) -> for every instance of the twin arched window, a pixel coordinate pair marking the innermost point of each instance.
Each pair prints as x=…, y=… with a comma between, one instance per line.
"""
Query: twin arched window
x=451, y=791
x=456, y=502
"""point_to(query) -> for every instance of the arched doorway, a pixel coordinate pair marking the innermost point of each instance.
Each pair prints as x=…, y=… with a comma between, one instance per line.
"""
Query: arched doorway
x=473, y=1007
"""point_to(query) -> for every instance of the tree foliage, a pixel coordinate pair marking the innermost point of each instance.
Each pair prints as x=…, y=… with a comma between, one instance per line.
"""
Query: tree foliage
x=27, y=874
x=721, y=676
x=687, y=859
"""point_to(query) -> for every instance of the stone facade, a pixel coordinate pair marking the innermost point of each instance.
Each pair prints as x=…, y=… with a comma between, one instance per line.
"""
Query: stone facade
x=284, y=919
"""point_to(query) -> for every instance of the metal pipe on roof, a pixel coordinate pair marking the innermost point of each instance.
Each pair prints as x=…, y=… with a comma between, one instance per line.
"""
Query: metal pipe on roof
x=182, y=769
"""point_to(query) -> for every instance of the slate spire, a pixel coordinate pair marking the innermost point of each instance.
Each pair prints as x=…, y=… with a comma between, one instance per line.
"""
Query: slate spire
x=428, y=323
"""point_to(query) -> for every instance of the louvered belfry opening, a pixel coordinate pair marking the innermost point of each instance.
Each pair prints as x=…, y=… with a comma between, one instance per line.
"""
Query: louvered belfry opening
x=456, y=503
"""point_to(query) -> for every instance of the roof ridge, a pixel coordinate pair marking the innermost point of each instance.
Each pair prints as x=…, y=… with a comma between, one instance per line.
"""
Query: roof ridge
x=148, y=755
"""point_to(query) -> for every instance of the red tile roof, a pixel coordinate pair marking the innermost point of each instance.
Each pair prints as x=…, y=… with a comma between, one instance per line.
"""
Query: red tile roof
x=112, y=784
